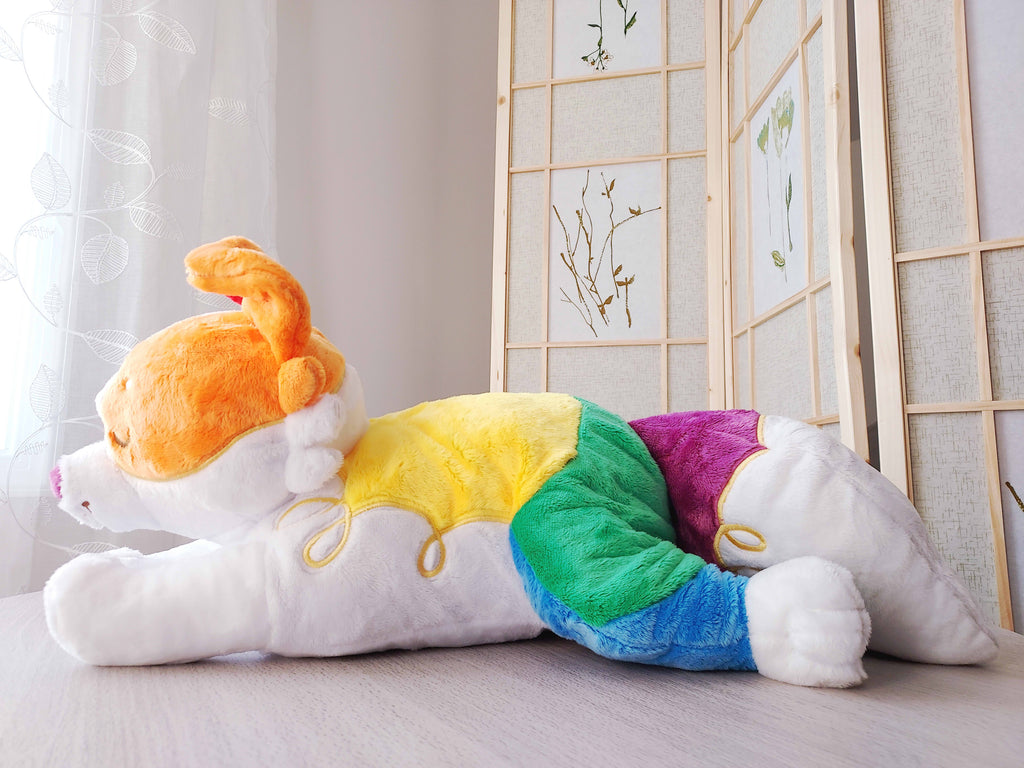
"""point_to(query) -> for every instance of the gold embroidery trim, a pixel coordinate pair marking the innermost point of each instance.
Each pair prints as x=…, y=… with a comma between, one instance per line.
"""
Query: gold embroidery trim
x=347, y=516
x=725, y=530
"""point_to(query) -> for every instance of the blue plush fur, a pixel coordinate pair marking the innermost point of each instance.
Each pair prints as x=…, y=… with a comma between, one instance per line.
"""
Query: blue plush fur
x=700, y=626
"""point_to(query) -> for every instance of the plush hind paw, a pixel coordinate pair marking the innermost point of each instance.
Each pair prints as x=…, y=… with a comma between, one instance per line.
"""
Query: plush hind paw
x=807, y=624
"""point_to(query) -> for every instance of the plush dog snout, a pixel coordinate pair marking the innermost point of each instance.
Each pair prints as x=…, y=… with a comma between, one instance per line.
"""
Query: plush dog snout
x=55, y=482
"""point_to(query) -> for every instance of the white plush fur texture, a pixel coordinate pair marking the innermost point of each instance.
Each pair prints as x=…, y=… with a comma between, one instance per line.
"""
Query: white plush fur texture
x=121, y=608
x=373, y=597
x=202, y=600
x=252, y=589
x=808, y=495
x=319, y=436
x=807, y=624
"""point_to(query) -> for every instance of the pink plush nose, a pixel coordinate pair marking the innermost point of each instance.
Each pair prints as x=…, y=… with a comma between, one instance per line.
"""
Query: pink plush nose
x=55, y=482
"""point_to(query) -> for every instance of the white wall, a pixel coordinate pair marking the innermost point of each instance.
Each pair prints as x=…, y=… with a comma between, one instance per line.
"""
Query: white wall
x=385, y=161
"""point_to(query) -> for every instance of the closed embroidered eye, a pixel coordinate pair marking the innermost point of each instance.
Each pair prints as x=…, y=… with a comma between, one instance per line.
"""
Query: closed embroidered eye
x=118, y=441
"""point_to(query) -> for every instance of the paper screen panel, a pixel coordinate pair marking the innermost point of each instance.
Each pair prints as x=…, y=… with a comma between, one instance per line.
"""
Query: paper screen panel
x=530, y=44
x=925, y=154
x=1010, y=441
x=741, y=371
x=687, y=377
x=737, y=90
x=738, y=224
x=782, y=375
x=624, y=380
x=523, y=370
x=687, y=126
x=585, y=299
x=816, y=117
x=812, y=10
x=828, y=390
x=687, y=248
x=1004, y=307
x=529, y=127
x=599, y=120
x=591, y=37
x=773, y=31
x=736, y=15
x=525, y=257
x=939, y=348
x=996, y=66
x=947, y=457
x=685, y=31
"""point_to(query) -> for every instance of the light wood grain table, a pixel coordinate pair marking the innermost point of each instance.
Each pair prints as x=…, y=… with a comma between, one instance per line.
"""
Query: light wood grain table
x=535, y=703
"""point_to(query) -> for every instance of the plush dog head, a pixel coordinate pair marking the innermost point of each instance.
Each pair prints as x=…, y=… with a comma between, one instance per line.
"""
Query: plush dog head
x=216, y=420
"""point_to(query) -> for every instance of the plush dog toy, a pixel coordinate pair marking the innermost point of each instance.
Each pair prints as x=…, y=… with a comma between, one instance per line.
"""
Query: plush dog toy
x=471, y=520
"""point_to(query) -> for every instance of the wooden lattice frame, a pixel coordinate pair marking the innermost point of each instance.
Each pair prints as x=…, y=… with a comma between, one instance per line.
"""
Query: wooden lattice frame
x=884, y=258
x=713, y=342
x=832, y=23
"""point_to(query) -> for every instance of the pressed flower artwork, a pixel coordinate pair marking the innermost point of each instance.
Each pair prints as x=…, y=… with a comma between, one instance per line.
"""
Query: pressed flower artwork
x=605, y=35
x=1010, y=449
x=604, y=279
x=779, y=250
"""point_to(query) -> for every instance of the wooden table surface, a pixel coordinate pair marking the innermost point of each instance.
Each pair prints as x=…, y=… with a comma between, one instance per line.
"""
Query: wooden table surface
x=538, y=703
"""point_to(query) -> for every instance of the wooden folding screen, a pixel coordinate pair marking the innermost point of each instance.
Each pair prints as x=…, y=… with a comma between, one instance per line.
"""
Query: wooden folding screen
x=604, y=175
x=941, y=99
x=793, y=322
x=626, y=271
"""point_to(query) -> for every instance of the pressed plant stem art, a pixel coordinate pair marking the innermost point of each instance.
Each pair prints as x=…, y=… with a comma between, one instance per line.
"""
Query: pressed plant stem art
x=600, y=56
x=779, y=126
x=1016, y=497
x=777, y=187
x=600, y=284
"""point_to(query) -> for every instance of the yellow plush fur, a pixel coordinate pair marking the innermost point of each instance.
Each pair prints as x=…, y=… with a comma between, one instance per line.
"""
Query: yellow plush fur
x=186, y=393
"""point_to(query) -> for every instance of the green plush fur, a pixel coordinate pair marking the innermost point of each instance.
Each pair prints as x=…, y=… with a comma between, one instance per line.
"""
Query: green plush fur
x=593, y=569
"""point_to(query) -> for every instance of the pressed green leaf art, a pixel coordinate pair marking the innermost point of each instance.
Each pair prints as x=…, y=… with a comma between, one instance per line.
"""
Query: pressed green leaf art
x=789, y=201
x=778, y=127
x=762, y=139
x=762, y=144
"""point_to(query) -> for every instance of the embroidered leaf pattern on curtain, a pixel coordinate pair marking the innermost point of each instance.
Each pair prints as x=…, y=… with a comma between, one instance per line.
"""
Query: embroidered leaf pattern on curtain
x=134, y=130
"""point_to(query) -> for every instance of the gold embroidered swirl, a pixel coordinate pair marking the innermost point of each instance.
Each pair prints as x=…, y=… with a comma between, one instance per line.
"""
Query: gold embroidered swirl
x=346, y=518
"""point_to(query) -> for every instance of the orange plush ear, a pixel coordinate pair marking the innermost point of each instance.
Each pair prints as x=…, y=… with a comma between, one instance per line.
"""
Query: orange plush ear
x=278, y=307
x=273, y=298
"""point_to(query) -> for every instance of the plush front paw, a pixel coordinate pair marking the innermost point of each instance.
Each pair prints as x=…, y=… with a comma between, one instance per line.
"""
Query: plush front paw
x=75, y=599
x=807, y=624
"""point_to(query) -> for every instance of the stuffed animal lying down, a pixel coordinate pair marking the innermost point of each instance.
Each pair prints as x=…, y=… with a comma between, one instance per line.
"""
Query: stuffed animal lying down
x=710, y=540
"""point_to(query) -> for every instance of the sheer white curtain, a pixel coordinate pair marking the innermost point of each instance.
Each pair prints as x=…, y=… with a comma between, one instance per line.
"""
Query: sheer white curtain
x=131, y=131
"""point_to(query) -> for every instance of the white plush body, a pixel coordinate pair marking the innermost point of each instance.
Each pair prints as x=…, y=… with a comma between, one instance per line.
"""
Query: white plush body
x=808, y=495
x=244, y=584
x=203, y=599
x=281, y=564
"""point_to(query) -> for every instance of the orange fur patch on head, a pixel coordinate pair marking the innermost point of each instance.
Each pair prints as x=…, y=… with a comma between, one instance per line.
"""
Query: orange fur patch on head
x=186, y=393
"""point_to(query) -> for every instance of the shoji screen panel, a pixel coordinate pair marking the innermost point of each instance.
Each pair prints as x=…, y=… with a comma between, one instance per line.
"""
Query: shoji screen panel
x=942, y=99
x=793, y=320
x=603, y=198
